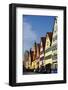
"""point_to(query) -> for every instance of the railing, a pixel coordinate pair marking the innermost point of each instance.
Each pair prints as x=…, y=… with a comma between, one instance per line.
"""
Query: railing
x=54, y=57
x=48, y=57
x=52, y=48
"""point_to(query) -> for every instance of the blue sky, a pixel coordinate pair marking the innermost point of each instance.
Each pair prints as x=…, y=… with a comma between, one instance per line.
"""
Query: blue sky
x=36, y=27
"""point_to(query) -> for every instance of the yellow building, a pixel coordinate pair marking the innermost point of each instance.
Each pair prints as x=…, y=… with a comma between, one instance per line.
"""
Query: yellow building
x=34, y=49
x=30, y=59
x=42, y=50
x=48, y=50
x=37, y=56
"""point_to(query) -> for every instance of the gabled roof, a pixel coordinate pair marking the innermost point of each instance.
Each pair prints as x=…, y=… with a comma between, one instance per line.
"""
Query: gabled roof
x=43, y=40
x=38, y=46
x=32, y=54
x=50, y=35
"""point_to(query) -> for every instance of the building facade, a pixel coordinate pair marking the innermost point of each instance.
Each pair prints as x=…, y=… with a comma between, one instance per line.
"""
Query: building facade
x=37, y=57
x=34, y=49
x=54, y=47
x=42, y=50
x=48, y=52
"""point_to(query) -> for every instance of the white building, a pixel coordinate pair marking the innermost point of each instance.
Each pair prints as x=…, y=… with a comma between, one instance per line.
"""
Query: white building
x=54, y=47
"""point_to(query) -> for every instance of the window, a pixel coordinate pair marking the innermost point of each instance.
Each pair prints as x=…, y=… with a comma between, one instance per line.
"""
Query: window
x=48, y=57
x=54, y=57
x=49, y=49
x=54, y=47
x=54, y=38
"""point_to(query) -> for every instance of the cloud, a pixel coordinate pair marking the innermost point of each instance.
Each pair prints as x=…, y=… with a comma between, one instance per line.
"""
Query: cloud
x=29, y=36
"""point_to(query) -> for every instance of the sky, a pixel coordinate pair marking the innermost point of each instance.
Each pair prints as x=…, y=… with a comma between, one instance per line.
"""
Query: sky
x=36, y=27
